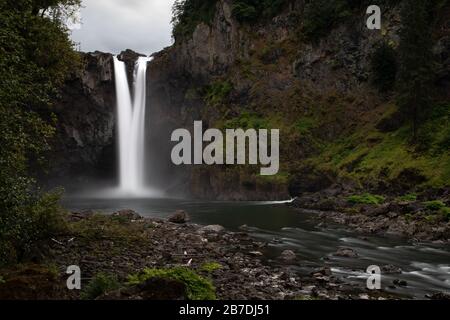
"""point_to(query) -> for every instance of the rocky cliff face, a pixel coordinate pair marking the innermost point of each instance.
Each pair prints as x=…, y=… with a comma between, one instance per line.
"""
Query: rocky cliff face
x=319, y=93
x=84, y=146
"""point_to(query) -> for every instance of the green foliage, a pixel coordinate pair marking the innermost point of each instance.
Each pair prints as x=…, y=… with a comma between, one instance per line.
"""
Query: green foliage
x=217, y=92
x=410, y=197
x=35, y=58
x=24, y=228
x=187, y=14
x=100, y=284
x=198, y=288
x=249, y=11
x=210, y=267
x=366, y=199
x=244, y=11
x=434, y=205
x=445, y=212
x=384, y=67
x=304, y=125
x=247, y=120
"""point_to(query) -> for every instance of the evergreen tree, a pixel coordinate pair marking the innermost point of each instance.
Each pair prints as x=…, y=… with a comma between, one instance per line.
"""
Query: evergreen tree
x=416, y=66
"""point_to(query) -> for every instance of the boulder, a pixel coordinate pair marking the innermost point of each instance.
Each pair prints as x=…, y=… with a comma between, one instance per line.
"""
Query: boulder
x=180, y=216
x=288, y=255
x=346, y=253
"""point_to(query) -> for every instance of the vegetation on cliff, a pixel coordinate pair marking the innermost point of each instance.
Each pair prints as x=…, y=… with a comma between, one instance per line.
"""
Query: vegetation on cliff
x=385, y=127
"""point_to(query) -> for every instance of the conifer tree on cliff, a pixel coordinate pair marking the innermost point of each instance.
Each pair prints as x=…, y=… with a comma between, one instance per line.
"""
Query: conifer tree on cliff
x=416, y=66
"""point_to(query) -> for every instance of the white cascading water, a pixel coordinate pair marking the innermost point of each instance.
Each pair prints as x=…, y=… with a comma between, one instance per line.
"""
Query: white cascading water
x=131, y=126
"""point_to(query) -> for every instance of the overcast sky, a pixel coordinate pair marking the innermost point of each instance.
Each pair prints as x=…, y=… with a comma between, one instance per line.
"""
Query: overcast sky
x=115, y=25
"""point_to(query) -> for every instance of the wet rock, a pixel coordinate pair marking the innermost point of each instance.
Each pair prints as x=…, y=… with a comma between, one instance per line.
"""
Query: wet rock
x=324, y=271
x=400, y=283
x=439, y=296
x=390, y=269
x=127, y=214
x=180, y=217
x=213, y=228
x=346, y=253
x=288, y=256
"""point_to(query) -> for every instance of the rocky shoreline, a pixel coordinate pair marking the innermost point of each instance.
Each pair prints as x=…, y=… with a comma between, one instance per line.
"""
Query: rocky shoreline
x=124, y=244
x=417, y=219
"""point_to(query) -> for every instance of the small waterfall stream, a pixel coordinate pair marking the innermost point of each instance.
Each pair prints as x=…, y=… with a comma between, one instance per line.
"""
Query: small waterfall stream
x=131, y=127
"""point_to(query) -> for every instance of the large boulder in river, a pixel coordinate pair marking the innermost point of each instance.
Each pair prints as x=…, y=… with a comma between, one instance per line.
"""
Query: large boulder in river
x=180, y=216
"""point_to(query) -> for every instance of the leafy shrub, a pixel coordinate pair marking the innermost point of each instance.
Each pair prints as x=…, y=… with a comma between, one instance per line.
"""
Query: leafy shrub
x=100, y=284
x=198, y=288
x=384, y=67
x=26, y=228
x=218, y=92
x=434, y=205
x=366, y=199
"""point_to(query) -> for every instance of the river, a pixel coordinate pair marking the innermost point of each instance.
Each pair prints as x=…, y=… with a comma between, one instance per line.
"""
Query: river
x=425, y=267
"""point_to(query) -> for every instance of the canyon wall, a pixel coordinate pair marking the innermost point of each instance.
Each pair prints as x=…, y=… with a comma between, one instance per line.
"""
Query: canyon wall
x=335, y=125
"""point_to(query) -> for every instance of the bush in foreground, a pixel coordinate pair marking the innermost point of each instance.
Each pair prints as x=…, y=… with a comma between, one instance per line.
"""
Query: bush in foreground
x=198, y=287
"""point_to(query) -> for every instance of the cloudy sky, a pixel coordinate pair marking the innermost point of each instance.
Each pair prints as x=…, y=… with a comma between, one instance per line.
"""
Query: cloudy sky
x=115, y=25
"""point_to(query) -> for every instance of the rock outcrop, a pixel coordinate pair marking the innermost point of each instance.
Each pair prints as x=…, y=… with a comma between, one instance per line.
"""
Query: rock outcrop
x=84, y=146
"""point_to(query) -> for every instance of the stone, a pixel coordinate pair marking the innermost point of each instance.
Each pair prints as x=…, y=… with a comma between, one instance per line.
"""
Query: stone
x=390, y=269
x=400, y=283
x=346, y=253
x=288, y=255
x=180, y=217
x=213, y=228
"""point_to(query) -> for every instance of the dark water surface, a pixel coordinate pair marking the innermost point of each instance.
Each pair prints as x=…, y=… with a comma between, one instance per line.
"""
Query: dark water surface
x=426, y=267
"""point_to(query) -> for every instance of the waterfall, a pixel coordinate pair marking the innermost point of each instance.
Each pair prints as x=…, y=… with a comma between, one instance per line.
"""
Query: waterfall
x=131, y=126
